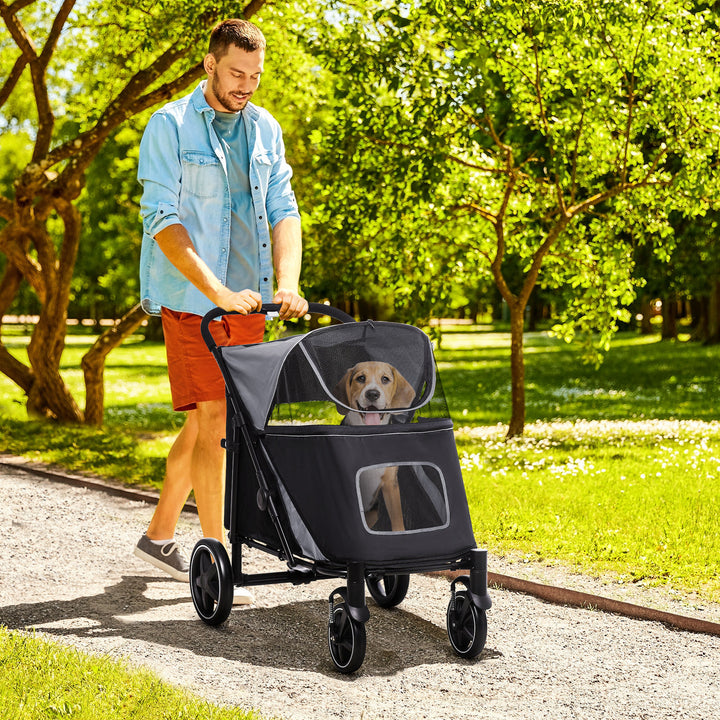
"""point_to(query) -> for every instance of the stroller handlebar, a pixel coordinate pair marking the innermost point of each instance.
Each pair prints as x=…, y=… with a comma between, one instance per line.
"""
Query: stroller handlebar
x=313, y=309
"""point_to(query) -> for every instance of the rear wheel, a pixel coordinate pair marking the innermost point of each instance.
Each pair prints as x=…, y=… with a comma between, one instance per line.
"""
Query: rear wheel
x=346, y=640
x=211, y=581
x=388, y=590
x=466, y=625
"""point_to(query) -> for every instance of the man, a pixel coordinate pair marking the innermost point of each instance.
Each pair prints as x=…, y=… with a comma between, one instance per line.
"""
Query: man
x=214, y=177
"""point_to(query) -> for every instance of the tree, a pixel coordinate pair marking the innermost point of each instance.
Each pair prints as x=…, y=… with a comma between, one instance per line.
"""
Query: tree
x=73, y=74
x=536, y=133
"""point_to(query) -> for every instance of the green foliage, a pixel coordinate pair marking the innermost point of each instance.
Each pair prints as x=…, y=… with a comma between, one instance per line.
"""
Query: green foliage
x=41, y=679
x=106, y=282
x=470, y=133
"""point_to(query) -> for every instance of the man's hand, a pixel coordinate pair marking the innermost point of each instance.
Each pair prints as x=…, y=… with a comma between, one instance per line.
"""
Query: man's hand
x=244, y=302
x=293, y=305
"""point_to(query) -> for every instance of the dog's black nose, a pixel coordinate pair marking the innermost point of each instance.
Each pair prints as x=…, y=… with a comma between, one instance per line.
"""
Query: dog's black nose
x=372, y=395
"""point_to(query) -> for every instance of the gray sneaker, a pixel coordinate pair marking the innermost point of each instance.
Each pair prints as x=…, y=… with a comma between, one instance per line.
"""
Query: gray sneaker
x=168, y=557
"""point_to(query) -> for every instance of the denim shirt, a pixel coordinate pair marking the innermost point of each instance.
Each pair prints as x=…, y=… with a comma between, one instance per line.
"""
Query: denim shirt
x=183, y=171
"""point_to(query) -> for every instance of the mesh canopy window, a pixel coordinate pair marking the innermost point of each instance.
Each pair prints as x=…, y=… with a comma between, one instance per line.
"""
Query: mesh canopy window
x=368, y=373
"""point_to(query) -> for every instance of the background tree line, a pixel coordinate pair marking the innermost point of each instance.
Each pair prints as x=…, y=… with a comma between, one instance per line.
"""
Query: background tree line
x=447, y=156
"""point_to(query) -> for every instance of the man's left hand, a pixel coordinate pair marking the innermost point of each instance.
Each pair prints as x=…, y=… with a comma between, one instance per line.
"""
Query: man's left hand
x=293, y=305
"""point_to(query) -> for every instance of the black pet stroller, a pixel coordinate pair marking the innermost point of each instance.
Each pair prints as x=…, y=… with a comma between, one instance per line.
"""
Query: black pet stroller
x=309, y=490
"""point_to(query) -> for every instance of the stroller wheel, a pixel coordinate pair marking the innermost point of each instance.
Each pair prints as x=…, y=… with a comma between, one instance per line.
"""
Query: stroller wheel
x=466, y=626
x=346, y=640
x=388, y=590
x=211, y=581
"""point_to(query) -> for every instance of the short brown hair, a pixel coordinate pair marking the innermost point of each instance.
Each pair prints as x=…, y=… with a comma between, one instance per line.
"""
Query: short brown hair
x=237, y=32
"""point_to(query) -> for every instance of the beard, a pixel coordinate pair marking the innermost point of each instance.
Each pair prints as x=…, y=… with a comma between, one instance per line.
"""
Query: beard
x=226, y=99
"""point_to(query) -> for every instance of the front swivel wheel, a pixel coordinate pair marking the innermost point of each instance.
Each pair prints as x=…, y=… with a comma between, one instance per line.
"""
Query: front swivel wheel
x=466, y=625
x=211, y=581
x=346, y=639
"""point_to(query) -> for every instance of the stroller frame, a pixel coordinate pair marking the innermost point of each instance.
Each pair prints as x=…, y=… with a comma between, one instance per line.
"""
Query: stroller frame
x=214, y=574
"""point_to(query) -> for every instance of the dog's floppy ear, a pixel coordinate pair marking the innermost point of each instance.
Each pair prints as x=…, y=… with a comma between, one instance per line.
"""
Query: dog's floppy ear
x=341, y=391
x=404, y=393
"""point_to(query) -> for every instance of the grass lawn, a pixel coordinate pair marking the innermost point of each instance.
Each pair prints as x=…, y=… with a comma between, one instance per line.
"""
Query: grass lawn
x=619, y=469
x=67, y=683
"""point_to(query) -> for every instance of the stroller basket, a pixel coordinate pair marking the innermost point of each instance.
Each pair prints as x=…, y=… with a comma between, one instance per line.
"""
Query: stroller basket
x=341, y=460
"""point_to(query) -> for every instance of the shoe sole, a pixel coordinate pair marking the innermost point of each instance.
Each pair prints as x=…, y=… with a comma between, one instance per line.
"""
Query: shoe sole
x=160, y=565
x=243, y=599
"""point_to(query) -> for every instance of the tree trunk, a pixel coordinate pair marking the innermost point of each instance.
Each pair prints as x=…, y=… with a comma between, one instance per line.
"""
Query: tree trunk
x=10, y=366
x=699, y=323
x=713, y=329
x=646, y=327
x=517, y=369
x=49, y=396
x=669, y=316
x=93, y=362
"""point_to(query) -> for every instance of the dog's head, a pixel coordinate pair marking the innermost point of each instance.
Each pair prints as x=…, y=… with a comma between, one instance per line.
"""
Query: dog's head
x=373, y=387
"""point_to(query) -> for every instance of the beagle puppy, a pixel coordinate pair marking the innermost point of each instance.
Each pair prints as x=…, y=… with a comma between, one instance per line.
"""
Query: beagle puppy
x=373, y=388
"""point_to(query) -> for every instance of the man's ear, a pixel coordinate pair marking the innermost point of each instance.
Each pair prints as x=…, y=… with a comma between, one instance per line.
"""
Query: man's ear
x=209, y=63
x=341, y=392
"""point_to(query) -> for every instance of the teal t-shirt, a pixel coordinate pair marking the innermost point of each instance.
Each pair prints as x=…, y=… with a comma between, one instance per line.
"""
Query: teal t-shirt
x=244, y=262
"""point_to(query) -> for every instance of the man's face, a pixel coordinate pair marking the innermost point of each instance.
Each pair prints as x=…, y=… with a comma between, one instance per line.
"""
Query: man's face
x=233, y=79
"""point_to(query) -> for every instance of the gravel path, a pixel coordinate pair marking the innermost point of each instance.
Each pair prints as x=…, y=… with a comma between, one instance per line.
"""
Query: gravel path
x=68, y=571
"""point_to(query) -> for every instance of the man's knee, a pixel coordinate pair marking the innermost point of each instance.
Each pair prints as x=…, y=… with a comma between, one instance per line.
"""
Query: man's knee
x=211, y=419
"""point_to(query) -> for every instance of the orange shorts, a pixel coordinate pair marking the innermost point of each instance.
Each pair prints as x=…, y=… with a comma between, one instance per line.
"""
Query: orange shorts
x=194, y=373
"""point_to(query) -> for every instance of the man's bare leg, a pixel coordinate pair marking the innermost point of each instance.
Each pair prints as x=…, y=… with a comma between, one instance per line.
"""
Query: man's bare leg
x=195, y=462
x=178, y=482
x=207, y=467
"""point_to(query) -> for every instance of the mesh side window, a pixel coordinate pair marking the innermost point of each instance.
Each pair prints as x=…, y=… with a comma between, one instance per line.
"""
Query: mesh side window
x=403, y=498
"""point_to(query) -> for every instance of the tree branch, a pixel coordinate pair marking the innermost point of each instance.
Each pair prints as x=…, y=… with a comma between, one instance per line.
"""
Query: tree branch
x=14, y=244
x=93, y=362
x=128, y=102
x=18, y=5
x=252, y=7
x=478, y=210
x=38, y=70
x=6, y=208
x=12, y=79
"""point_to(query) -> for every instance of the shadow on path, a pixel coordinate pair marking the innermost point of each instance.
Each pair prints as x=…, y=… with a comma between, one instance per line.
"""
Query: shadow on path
x=291, y=636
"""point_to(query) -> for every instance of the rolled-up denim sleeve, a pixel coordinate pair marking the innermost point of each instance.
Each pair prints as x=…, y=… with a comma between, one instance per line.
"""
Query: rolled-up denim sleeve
x=281, y=202
x=159, y=173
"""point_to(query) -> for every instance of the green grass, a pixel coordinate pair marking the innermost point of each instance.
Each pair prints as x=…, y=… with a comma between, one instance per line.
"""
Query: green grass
x=638, y=499
x=140, y=424
x=619, y=469
x=640, y=378
x=41, y=680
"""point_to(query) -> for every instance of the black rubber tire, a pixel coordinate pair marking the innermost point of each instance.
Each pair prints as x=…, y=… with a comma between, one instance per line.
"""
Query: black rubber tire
x=346, y=640
x=388, y=590
x=466, y=626
x=211, y=581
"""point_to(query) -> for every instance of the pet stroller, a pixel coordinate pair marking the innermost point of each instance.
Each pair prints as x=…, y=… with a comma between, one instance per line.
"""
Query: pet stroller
x=318, y=494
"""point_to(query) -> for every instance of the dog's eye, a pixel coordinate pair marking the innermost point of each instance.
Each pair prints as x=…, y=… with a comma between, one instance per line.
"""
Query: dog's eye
x=360, y=379
x=385, y=380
